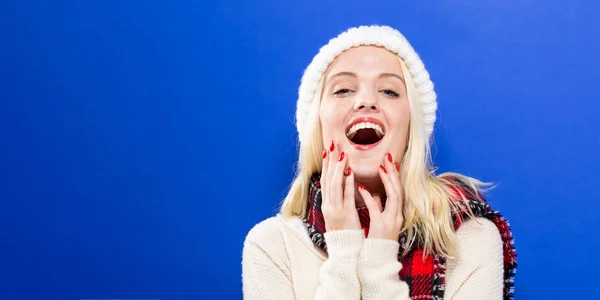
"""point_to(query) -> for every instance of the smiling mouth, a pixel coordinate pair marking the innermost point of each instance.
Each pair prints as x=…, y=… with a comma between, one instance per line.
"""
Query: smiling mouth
x=365, y=133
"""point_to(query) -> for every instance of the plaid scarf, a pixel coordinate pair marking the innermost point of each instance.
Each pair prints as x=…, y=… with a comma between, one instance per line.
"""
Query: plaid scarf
x=426, y=278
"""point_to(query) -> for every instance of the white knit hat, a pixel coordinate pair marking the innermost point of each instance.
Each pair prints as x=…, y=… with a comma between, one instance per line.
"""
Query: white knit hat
x=383, y=36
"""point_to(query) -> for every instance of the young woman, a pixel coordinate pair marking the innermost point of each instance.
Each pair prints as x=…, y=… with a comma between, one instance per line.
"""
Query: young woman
x=366, y=217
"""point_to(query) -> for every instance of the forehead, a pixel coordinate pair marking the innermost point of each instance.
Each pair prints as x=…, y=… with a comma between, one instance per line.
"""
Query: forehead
x=365, y=59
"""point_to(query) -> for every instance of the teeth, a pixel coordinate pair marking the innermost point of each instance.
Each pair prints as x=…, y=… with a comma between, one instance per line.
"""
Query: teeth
x=350, y=133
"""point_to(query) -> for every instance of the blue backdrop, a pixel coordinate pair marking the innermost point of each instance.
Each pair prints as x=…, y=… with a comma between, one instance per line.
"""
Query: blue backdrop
x=141, y=140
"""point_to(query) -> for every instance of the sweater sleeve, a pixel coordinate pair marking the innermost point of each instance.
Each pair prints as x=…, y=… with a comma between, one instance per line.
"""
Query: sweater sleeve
x=339, y=273
x=266, y=272
x=378, y=268
x=476, y=273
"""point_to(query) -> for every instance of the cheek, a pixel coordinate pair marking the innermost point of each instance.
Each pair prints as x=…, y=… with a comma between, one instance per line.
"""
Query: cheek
x=330, y=117
x=399, y=121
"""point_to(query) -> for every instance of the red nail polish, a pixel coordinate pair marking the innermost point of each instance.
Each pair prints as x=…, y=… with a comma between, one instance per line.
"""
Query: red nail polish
x=361, y=186
x=347, y=173
x=332, y=147
x=324, y=153
x=342, y=156
x=397, y=165
x=389, y=156
x=383, y=169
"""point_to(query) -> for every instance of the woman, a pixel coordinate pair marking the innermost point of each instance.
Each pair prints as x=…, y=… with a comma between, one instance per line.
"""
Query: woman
x=365, y=217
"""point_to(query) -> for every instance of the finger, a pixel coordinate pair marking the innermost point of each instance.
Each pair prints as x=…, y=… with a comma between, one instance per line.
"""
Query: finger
x=391, y=205
x=331, y=159
x=394, y=175
x=324, y=168
x=393, y=172
x=377, y=199
x=374, y=212
x=338, y=179
x=349, y=201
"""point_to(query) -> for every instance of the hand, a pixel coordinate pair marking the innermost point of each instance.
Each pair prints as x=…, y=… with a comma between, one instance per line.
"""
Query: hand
x=338, y=206
x=386, y=224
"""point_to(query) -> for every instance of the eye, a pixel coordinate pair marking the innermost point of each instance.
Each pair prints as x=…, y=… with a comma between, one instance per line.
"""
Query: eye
x=391, y=93
x=342, y=91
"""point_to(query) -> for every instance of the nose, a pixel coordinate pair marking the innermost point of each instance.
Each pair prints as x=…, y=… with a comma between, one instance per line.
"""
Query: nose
x=366, y=103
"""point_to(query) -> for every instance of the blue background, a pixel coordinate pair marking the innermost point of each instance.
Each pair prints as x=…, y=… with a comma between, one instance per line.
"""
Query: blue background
x=141, y=140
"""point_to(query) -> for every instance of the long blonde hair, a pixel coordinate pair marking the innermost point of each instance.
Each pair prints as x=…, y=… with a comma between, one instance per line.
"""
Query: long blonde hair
x=428, y=197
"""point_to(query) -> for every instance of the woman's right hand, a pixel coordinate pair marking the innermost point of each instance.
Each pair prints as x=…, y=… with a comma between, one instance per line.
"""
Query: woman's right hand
x=337, y=191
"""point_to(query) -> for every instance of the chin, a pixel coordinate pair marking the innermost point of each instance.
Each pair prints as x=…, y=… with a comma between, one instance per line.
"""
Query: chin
x=365, y=163
x=365, y=171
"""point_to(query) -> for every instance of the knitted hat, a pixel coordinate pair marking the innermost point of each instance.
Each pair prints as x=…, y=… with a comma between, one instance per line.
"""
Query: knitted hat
x=383, y=36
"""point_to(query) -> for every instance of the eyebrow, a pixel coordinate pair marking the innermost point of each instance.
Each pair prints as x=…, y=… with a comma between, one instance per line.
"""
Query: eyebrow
x=352, y=74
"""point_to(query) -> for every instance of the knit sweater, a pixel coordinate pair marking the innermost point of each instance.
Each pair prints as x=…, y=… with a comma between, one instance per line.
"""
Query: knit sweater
x=280, y=262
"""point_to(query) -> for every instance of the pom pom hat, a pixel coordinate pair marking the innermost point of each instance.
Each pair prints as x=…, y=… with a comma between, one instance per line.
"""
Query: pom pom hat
x=381, y=36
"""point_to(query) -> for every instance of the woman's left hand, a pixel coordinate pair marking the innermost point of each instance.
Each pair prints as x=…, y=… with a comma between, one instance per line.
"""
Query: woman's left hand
x=386, y=224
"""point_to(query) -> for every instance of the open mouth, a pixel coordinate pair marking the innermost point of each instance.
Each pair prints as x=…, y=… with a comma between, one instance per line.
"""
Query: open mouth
x=365, y=133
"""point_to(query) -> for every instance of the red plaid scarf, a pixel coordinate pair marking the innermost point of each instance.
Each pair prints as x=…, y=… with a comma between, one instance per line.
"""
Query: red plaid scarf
x=426, y=278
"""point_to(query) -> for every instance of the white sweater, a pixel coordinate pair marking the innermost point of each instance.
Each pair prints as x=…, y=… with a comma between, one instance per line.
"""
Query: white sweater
x=280, y=262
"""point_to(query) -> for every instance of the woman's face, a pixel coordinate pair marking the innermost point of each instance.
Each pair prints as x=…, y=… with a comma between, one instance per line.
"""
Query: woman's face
x=365, y=108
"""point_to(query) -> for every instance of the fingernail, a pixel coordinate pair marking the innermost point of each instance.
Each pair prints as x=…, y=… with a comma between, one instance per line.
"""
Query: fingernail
x=341, y=156
x=347, y=173
x=383, y=169
x=332, y=147
x=389, y=156
x=397, y=165
x=324, y=153
x=361, y=186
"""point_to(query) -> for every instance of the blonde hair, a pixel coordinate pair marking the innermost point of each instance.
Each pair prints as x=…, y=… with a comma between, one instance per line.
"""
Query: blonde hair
x=428, y=198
